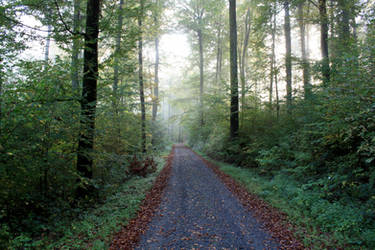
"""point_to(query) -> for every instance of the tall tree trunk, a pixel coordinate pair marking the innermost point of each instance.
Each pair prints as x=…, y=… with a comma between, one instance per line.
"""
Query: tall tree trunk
x=307, y=27
x=277, y=96
x=140, y=76
x=305, y=62
x=233, y=71
x=89, y=96
x=156, y=87
x=201, y=76
x=1, y=92
x=218, y=58
x=48, y=43
x=324, y=40
x=272, y=73
x=288, y=58
x=344, y=22
x=75, y=50
x=243, y=63
x=116, y=75
x=117, y=55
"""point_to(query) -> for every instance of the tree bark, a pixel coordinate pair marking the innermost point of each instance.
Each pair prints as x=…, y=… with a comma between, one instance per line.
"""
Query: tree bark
x=288, y=58
x=218, y=58
x=48, y=42
x=233, y=71
x=155, y=102
x=243, y=63
x=117, y=55
x=140, y=77
x=1, y=92
x=324, y=40
x=277, y=97
x=89, y=96
x=156, y=87
x=344, y=22
x=201, y=76
x=75, y=50
x=272, y=73
x=305, y=62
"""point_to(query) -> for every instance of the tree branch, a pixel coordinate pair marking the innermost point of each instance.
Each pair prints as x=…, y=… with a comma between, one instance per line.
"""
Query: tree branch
x=64, y=23
x=313, y=3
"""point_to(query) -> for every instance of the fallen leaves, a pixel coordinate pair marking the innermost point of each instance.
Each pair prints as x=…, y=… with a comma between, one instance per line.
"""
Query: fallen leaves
x=129, y=236
x=272, y=219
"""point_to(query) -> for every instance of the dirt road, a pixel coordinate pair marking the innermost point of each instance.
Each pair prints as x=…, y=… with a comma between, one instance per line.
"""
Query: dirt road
x=198, y=211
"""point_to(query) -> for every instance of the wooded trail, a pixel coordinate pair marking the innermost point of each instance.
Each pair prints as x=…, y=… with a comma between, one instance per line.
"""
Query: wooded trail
x=198, y=211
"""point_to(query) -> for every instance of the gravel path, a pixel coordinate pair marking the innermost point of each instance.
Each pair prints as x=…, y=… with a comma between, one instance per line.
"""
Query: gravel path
x=198, y=211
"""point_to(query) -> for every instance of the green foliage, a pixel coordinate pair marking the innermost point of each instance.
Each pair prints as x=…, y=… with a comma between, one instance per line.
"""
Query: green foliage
x=93, y=227
x=40, y=116
x=307, y=207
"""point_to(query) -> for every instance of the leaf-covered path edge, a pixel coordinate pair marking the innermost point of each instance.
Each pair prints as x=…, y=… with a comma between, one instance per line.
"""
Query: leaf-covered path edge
x=130, y=235
x=272, y=219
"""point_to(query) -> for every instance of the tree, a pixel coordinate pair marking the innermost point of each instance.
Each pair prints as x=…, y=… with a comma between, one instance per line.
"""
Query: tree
x=193, y=18
x=242, y=60
x=288, y=57
x=324, y=40
x=305, y=60
x=76, y=42
x=117, y=55
x=234, y=122
x=89, y=96
x=140, y=77
x=219, y=52
x=155, y=101
x=200, y=13
x=273, y=54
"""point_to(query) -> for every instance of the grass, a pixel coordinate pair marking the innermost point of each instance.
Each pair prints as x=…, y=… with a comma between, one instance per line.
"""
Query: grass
x=320, y=223
x=98, y=226
x=95, y=227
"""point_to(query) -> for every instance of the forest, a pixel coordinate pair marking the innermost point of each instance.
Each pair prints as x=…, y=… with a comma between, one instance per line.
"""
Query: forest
x=93, y=94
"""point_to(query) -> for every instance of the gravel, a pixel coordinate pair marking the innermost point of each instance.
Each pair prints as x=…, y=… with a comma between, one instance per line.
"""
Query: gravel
x=198, y=211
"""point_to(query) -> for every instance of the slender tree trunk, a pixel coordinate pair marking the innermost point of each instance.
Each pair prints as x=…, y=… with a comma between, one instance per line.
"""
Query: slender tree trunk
x=116, y=75
x=305, y=62
x=324, y=40
x=344, y=22
x=353, y=24
x=220, y=62
x=1, y=93
x=140, y=76
x=272, y=73
x=169, y=117
x=89, y=96
x=117, y=55
x=218, y=58
x=156, y=87
x=75, y=50
x=48, y=43
x=277, y=97
x=307, y=26
x=155, y=99
x=201, y=76
x=243, y=63
x=288, y=58
x=233, y=71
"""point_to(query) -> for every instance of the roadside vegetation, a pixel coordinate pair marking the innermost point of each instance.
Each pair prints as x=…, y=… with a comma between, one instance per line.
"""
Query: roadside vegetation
x=92, y=227
x=319, y=222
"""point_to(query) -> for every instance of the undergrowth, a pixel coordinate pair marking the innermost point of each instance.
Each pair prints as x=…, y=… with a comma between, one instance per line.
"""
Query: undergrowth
x=93, y=228
x=319, y=221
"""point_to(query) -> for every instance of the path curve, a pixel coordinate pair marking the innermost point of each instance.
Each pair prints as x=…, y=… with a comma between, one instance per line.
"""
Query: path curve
x=198, y=211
